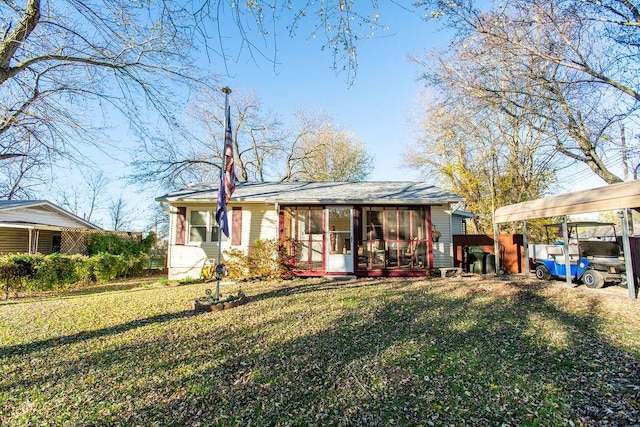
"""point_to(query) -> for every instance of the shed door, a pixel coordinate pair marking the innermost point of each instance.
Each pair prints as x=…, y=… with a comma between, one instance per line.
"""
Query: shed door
x=339, y=239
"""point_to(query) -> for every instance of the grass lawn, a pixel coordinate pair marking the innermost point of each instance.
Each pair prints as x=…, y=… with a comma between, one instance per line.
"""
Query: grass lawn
x=459, y=351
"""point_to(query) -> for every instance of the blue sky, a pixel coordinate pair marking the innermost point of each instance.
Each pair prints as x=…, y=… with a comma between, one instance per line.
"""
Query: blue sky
x=375, y=107
x=379, y=103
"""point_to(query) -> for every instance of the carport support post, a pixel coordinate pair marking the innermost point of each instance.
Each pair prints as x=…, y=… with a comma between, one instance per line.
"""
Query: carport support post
x=626, y=247
x=496, y=246
x=526, y=249
x=565, y=247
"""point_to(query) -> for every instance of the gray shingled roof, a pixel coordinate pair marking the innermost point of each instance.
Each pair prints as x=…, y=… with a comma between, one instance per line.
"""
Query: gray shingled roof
x=7, y=204
x=45, y=205
x=386, y=193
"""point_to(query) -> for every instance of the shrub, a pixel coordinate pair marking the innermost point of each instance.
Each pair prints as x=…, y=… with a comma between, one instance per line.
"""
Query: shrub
x=38, y=272
x=286, y=262
x=45, y=276
x=15, y=270
x=236, y=262
x=116, y=245
x=57, y=271
x=105, y=266
x=135, y=264
x=263, y=259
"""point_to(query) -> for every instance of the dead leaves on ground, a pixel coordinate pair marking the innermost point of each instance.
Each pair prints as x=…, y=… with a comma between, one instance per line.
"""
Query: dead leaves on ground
x=361, y=352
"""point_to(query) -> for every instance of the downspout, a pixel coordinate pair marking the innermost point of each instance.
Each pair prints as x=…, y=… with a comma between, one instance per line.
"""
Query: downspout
x=277, y=209
x=169, y=212
x=165, y=208
x=36, y=241
x=33, y=236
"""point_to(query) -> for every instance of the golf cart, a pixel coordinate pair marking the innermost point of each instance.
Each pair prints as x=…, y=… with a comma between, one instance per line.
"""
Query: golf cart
x=595, y=258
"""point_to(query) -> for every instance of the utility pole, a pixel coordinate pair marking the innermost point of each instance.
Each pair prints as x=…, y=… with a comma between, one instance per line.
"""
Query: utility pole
x=625, y=166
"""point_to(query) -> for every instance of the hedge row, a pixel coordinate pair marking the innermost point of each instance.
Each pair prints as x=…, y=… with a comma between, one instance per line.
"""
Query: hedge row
x=36, y=273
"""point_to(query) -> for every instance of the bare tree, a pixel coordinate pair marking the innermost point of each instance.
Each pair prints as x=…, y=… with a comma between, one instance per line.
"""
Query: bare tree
x=67, y=66
x=295, y=155
x=194, y=154
x=579, y=62
x=264, y=148
x=22, y=173
x=258, y=134
x=84, y=198
x=488, y=157
x=119, y=213
x=62, y=64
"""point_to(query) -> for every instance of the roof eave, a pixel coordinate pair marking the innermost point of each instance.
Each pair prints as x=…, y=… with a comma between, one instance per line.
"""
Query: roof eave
x=177, y=200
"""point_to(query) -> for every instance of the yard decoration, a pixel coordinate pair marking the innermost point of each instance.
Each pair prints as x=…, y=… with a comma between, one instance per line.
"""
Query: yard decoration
x=209, y=302
x=435, y=234
x=217, y=302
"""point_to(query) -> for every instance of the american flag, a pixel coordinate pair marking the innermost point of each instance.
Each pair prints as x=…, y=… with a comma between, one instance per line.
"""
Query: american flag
x=227, y=179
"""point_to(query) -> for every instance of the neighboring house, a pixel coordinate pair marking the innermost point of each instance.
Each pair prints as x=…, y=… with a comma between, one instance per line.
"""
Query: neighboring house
x=329, y=228
x=31, y=226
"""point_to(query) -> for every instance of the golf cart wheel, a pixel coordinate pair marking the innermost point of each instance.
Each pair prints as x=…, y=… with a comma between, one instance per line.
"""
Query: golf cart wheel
x=593, y=279
x=542, y=272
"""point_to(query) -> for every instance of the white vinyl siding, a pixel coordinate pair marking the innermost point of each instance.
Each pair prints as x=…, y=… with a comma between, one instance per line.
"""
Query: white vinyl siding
x=14, y=240
x=443, y=249
x=259, y=221
x=456, y=225
x=39, y=215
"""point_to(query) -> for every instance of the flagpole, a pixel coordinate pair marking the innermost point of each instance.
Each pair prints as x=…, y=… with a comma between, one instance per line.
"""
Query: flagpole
x=219, y=268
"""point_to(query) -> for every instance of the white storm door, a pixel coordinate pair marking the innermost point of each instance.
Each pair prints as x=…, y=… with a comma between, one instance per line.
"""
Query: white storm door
x=339, y=239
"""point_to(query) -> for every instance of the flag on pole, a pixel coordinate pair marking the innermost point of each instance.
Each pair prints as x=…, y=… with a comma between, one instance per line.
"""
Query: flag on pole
x=227, y=178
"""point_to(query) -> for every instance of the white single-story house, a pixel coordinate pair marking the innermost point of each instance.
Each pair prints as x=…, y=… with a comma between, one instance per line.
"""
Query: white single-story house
x=331, y=228
x=35, y=226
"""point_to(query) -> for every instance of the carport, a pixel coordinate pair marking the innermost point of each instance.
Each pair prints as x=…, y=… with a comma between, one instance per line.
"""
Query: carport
x=622, y=196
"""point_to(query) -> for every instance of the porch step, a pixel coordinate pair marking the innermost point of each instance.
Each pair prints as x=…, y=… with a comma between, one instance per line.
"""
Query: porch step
x=341, y=277
x=455, y=270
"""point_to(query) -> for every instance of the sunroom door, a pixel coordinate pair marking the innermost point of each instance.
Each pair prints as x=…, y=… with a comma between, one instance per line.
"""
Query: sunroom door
x=339, y=239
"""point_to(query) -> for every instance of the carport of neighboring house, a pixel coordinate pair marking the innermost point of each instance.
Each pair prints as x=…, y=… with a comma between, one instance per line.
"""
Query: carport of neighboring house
x=622, y=196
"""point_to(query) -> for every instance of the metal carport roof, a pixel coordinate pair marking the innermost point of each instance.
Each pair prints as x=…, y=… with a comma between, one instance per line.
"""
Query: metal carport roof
x=624, y=195
x=620, y=196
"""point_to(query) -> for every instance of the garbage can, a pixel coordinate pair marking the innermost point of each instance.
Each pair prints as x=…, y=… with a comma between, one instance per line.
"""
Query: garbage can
x=475, y=259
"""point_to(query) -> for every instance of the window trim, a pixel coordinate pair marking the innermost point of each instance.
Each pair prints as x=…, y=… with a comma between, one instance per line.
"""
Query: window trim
x=211, y=225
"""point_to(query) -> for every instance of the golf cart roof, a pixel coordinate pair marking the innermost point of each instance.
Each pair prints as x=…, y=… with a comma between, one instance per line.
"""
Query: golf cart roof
x=587, y=230
x=583, y=224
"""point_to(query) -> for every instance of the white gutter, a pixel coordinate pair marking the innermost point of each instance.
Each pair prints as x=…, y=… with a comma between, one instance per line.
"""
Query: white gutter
x=35, y=226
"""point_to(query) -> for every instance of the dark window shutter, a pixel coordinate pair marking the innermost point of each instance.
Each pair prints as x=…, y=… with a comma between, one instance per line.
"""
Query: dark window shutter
x=236, y=226
x=181, y=225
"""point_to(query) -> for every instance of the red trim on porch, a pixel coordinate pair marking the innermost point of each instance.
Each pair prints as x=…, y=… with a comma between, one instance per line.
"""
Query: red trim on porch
x=416, y=236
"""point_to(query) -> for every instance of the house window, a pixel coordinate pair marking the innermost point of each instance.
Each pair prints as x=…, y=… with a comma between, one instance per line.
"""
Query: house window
x=203, y=227
x=56, y=243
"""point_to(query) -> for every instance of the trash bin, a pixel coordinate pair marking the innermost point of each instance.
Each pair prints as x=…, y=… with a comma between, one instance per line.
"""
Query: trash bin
x=475, y=259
